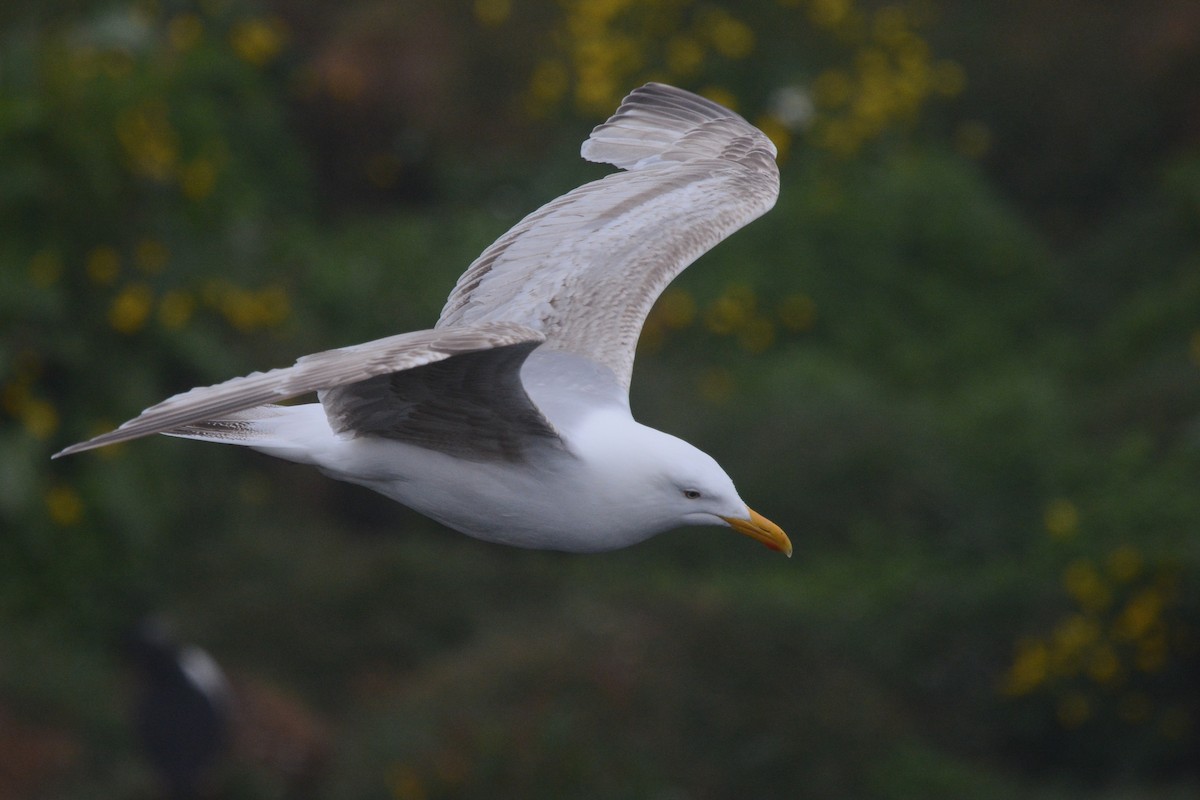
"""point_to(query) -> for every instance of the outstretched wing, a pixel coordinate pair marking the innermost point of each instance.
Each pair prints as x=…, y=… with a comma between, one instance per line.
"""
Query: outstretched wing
x=586, y=268
x=348, y=367
x=472, y=406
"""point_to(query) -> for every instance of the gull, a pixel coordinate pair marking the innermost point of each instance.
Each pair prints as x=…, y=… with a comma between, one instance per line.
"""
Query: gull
x=509, y=420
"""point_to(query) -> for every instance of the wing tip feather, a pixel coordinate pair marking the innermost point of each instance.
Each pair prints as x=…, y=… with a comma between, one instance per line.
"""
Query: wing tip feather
x=655, y=118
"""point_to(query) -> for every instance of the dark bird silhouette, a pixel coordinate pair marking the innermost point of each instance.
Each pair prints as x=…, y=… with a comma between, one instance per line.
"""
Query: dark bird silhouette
x=182, y=710
x=201, y=728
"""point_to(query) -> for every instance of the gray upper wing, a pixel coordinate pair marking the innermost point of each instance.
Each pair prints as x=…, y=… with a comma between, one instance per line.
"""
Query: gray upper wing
x=586, y=268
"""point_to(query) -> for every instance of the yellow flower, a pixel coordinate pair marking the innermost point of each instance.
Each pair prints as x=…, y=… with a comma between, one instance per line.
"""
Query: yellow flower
x=39, y=418
x=258, y=41
x=149, y=140
x=1124, y=564
x=731, y=310
x=64, y=505
x=1030, y=668
x=130, y=308
x=1061, y=518
x=1084, y=583
x=185, y=31
x=1142, y=613
x=237, y=306
x=492, y=12
x=1072, y=638
x=248, y=310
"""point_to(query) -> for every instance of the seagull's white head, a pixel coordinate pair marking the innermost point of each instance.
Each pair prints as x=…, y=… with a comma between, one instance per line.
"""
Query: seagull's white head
x=660, y=482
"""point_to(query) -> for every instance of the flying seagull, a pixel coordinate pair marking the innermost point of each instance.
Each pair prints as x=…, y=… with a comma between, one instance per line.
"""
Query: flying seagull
x=509, y=421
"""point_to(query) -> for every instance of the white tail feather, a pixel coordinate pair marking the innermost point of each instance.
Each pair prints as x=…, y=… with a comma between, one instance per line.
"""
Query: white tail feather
x=295, y=433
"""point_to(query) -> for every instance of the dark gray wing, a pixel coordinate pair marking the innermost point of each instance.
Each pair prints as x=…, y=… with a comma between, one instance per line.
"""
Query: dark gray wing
x=472, y=406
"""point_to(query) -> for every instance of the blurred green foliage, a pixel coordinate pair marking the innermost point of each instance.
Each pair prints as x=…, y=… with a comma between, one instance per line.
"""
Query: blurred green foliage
x=138, y=151
x=982, y=434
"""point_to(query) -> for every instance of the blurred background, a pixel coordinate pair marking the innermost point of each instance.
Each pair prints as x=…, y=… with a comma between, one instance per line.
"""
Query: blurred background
x=959, y=363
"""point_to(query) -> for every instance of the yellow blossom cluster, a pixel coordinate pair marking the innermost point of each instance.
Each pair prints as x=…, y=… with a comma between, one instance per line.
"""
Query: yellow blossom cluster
x=737, y=312
x=247, y=309
x=135, y=301
x=129, y=97
x=148, y=139
x=605, y=46
x=1061, y=518
x=1104, y=655
x=128, y=275
x=64, y=506
x=22, y=400
x=600, y=48
x=892, y=76
x=131, y=304
x=258, y=41
x=152, y=149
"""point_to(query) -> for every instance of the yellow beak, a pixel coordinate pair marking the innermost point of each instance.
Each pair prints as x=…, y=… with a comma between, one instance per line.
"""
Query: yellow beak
x=760, y=528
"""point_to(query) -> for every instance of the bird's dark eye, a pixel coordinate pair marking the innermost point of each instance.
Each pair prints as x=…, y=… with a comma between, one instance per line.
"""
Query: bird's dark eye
x=691, y=494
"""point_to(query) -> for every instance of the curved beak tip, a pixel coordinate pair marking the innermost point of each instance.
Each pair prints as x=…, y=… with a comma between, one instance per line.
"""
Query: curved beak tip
x=761, y=529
